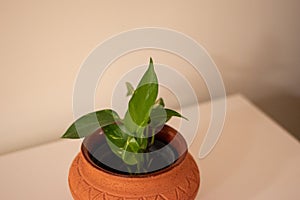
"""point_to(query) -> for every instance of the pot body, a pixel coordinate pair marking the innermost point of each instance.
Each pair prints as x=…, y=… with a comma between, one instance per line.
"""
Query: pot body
x=179, y=181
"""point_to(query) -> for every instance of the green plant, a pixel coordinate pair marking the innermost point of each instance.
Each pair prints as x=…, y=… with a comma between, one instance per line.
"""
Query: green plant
x=135, y=133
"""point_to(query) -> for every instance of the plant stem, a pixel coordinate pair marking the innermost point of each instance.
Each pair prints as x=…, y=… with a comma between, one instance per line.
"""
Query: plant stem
x=129, y=170
x=153, y=137
x=147, y=131
x=140, y=163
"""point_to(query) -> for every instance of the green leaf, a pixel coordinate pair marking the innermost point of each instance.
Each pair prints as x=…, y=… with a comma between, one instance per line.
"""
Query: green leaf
x=130, y=89
x=123, y=145
x=144, y=97
x=160, y=101
x=116, y=134
x=141, y=103
x=173, y=113
x=89, y=123
x=132, y=145
x=129, y=123
x=158, y=116
x=130, y=151
x=135, y=130
x=149, y=76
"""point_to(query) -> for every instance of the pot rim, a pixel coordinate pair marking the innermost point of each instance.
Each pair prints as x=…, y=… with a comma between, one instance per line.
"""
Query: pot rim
x=167, y=134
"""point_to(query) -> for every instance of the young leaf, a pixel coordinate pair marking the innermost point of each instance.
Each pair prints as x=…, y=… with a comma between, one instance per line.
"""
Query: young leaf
x=89, y=123
x=149, y=76
x=144, y=97
x=160, y=101
x=173, y=113
x=130, y=89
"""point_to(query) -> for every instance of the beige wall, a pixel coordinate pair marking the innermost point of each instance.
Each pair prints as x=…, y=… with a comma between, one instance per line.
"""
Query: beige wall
x=255, y=44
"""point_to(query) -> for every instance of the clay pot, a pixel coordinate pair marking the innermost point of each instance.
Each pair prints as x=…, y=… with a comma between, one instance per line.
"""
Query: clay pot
x=178, y=181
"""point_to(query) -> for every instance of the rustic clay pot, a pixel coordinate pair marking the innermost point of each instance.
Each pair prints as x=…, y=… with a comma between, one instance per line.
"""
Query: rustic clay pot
x=179, y=181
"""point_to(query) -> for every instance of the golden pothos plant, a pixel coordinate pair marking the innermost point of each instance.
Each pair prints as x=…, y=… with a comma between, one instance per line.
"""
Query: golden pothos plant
x=135, y=132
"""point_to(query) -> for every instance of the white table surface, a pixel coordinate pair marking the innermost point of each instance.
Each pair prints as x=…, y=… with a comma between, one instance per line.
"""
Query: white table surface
x=254, y=159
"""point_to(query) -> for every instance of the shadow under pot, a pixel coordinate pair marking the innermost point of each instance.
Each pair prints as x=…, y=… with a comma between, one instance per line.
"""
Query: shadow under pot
x=169, y=173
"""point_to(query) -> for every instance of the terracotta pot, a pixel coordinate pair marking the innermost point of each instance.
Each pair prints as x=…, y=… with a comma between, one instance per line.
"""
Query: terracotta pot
x=179, y=181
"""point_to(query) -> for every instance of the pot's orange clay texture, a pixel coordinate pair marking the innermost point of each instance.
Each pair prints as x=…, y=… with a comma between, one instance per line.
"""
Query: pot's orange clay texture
x=89, y=183
x=179, y=181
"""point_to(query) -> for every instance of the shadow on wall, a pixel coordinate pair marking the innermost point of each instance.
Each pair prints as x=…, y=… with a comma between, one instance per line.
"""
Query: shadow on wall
x=268, y=74
x=279, y=80
x=283, y=108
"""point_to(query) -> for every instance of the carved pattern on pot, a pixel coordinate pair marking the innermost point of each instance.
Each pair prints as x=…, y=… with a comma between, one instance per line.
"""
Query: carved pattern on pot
x=186, y=190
